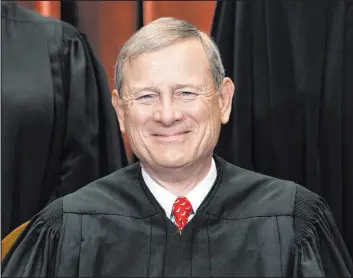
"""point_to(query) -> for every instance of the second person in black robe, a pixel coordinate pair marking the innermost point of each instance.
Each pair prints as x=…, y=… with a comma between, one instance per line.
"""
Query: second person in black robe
x=58, y=128
x=292, y=63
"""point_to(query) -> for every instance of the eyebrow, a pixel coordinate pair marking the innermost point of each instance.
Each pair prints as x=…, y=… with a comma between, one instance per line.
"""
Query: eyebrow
x=174, y=87
x=148, y=88
x=194, y=86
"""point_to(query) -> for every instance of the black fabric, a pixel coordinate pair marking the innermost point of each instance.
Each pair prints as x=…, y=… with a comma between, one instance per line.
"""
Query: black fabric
x=139, y=14
x=58, y=127
x=292, y=118
x=248, y=225
x=69, y=12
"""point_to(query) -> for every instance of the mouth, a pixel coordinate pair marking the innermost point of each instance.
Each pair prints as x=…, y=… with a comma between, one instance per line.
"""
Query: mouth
x=170, y=137
x=170, y=134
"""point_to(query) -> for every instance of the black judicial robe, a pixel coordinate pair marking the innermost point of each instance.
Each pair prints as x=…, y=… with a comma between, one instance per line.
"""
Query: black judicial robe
x=292, y=117
x=248, y=225
x=58, y=128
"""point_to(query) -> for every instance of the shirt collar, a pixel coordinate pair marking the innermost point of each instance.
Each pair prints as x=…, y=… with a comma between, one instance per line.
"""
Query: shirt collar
x=196, y=196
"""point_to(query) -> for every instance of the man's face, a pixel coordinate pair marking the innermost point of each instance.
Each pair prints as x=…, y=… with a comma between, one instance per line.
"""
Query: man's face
x=169, y=109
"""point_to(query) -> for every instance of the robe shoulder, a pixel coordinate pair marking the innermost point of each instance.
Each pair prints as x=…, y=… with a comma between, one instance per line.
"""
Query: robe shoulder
x=319, y=249
x=119, y=193
x=244, y=194
x=35, y=251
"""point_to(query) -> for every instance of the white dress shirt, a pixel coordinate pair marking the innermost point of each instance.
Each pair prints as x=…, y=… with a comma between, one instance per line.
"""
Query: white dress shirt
x=196, y=196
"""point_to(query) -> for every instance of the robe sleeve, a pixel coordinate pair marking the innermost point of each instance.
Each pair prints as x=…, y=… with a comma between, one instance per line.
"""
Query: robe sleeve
x=93, y=146
x=319, y=247
x=34, y=253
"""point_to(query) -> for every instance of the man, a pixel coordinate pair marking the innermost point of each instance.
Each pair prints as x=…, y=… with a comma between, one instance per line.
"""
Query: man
x=181, y=211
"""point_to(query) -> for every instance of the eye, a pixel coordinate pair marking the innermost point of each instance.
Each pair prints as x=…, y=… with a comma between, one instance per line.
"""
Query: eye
x=188, y=93
x=146, y=99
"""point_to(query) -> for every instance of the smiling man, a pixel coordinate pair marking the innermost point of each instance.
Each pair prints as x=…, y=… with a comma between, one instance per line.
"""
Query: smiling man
x=181, y=211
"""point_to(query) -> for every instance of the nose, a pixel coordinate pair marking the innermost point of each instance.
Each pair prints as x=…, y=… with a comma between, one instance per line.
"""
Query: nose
x=166, y=112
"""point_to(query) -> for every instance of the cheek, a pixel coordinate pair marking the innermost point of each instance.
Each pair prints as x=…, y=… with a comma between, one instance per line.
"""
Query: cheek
x=135, y=120
x=208, y=118
x=204, y=113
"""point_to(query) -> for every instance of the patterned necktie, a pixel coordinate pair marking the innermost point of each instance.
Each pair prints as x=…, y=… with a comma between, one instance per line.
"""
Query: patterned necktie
x=182, y=209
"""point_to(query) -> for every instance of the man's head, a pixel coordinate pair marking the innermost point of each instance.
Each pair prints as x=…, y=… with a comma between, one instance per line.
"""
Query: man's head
x=171, y=95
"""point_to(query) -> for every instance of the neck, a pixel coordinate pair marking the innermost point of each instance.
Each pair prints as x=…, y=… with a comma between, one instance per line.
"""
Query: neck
x=180, y=181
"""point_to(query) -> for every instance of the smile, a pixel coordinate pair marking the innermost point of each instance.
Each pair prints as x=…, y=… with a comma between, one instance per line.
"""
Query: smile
x=172, y=137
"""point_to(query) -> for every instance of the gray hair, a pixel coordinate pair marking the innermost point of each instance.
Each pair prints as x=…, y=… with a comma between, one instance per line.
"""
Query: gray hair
x=162, y=33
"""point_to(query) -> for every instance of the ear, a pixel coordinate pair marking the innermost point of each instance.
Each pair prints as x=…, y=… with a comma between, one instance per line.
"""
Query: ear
x=225, y=98
x=119, y=109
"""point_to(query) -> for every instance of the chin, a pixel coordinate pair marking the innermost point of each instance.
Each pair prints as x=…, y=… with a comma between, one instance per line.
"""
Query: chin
x=172, y=161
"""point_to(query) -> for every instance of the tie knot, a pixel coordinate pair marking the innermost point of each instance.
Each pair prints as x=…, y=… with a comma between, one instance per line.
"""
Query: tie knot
x=182, y=209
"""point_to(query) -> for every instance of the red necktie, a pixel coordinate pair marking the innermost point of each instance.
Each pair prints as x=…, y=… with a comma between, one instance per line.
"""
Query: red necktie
x=182, y=209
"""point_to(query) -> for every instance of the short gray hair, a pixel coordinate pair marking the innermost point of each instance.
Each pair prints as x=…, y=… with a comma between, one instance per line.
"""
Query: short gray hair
x=162, y=33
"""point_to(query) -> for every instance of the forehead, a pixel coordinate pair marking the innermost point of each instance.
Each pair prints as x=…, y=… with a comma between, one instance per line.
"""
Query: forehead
x=184, y=61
